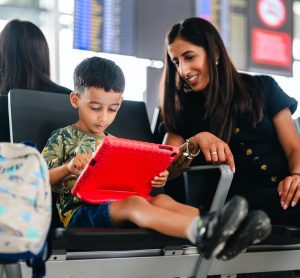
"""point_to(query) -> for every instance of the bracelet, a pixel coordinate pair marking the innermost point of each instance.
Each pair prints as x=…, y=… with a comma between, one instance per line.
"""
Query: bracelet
x=295, y=174
x=187, y=152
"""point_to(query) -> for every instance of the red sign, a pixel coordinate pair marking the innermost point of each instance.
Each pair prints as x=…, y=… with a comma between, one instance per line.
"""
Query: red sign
x=272, y=13
x=270, y=47
x=270, y=33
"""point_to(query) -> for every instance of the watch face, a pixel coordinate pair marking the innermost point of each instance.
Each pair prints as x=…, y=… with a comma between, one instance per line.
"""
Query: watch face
x=272, y=13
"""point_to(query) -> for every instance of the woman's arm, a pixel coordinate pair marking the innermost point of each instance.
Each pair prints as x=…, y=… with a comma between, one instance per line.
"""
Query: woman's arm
x=213, y=148
x=181, y=162
x=288, y=188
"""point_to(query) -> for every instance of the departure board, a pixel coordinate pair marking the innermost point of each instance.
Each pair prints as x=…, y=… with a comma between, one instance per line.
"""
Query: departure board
x=105, y=26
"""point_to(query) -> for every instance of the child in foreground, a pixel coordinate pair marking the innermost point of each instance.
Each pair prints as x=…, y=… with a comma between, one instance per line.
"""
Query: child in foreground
x=99, y=84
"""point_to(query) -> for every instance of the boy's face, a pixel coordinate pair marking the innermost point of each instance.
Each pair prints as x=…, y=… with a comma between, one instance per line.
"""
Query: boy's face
x=97, y=109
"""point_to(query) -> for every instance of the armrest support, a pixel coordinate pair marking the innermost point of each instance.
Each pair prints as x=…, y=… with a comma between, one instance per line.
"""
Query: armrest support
x=202, y=186
x=207, y=185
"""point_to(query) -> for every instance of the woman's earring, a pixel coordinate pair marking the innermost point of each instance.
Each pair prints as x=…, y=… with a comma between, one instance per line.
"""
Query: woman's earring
x=217, y=62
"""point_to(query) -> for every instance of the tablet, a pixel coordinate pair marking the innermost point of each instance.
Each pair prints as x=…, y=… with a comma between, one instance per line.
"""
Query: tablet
x=121, y=168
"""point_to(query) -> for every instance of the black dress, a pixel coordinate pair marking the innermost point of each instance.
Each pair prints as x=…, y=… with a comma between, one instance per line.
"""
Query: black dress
x=259, y=158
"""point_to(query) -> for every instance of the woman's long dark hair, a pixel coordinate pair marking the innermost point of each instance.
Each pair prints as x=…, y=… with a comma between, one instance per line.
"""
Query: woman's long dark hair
x=24, y=57
x=227, y=97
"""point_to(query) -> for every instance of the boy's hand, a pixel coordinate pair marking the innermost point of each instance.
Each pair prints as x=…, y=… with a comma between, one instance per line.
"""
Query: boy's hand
x=76, y=165
x=160, y=180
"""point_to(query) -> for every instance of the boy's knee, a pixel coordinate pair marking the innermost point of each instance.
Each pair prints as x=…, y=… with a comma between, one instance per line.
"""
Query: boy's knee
x=161, y=198
x=133, y=207
x=133, y=203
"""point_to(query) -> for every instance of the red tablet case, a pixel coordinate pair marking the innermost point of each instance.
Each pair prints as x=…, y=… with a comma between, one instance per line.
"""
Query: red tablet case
x=121, y=168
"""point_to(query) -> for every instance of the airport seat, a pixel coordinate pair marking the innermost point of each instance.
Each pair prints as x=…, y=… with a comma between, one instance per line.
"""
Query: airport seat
x=279, y=252
x=34, y=115
x=126, y=252
x=32, y=118
x=4, y=126
x=132, y=122
x=138, y=252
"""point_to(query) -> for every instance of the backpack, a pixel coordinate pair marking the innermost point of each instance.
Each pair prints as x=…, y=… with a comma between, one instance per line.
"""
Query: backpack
x=25, y=205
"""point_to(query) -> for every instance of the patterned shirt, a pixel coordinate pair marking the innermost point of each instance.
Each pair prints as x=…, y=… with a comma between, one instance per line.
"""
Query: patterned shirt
x=62, y=146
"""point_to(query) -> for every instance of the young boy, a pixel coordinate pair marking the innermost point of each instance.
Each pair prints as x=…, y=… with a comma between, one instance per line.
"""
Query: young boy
x=99, y=84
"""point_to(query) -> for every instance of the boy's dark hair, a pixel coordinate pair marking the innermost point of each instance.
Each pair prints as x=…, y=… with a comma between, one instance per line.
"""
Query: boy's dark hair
x=100, y=73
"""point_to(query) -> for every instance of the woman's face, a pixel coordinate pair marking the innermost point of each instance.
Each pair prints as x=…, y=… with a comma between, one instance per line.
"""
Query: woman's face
x=191, y=63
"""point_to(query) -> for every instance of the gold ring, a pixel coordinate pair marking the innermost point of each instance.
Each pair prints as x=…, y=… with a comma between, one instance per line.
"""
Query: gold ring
x=213, y=153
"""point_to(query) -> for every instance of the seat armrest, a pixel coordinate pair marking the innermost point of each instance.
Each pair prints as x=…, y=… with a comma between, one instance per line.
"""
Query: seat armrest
x=195, y=185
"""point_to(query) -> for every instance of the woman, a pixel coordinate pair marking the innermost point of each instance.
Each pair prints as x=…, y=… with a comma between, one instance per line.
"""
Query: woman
x=233, y=118
x=24, y=59
x=24, y=64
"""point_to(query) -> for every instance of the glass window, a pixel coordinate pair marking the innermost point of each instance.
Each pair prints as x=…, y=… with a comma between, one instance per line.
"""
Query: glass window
x=291, y=85
x=134, y=69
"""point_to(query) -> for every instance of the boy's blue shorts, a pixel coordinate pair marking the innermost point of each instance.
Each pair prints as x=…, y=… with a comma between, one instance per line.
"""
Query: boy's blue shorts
x=92, y=216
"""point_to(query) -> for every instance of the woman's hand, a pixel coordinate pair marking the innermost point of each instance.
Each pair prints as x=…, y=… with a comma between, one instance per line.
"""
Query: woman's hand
x=76, y=165
x=160, y=180
x=289, y=191
x=214, y=149
x=288, y=188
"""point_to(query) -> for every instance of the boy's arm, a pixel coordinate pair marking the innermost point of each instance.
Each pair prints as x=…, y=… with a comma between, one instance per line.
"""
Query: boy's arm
x=58, y=173
x=54, y=155
x=75, y=166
